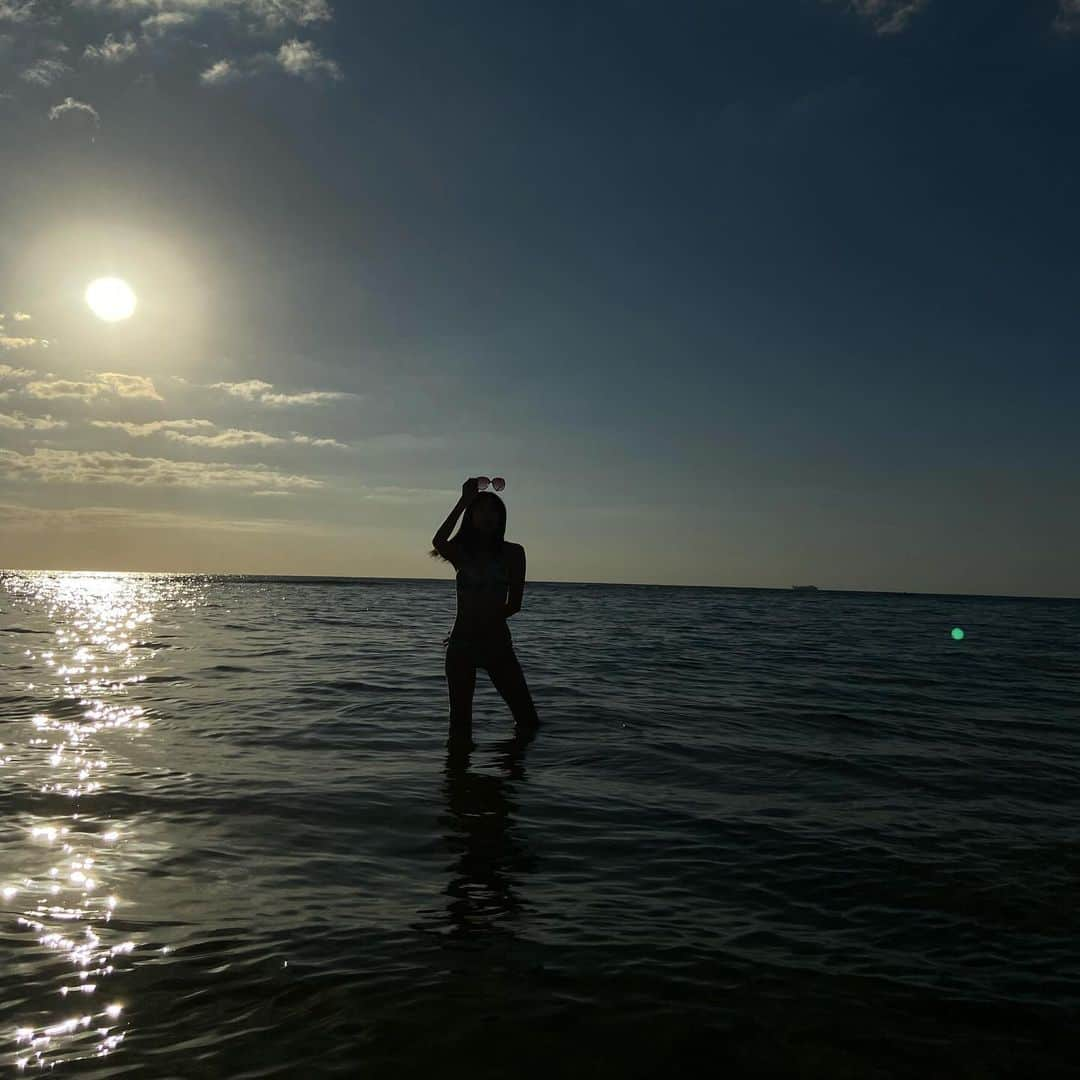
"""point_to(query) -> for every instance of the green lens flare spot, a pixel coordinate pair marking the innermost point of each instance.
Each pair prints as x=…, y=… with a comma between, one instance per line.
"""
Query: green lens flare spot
x=957, y=633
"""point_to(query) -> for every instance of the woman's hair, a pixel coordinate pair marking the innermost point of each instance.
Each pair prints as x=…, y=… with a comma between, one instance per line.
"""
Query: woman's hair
x=472, y=540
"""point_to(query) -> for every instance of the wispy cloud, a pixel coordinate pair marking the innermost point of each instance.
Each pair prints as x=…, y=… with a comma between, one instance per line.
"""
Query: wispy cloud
x=14, y=517
x=155, y=26
x=303, y=59
x=103, y=384
x=10, y=341
x=224, y=71
x=21, y=422
x=44, y=72
x=265, y=15
x=249, y=38
x=152, y=427
x=260, y=14
x=311, y=440
x=1068, y=17
x=277, y=13
x=9, y=372
x=887, y=16
x=17, y=10
x=54, y=466
x=179, y=430
x=111, y=51
x=297, y=58
x=230, y=437
x=243, y=30
x=70, y=109
x=263, y=393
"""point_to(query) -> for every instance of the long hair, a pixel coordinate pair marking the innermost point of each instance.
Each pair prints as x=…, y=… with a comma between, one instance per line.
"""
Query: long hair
x=471, y=539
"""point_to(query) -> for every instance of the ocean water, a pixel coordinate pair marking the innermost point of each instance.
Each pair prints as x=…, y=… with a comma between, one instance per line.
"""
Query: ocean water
x=759, y=833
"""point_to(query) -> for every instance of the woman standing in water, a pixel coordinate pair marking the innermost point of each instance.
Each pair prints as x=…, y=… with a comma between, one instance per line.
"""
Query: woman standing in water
x=490, y=583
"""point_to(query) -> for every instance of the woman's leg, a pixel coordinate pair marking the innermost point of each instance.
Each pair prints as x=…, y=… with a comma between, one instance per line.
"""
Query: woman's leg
x=460, y=683
x=508, y=678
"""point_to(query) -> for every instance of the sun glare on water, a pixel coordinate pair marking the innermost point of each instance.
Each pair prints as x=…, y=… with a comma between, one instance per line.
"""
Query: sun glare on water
x=110, y=299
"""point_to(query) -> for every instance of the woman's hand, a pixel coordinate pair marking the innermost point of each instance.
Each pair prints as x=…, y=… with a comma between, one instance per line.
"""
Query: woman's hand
x=470, y=489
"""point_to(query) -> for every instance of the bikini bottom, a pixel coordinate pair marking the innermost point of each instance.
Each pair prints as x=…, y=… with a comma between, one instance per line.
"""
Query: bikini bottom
x=480, y=649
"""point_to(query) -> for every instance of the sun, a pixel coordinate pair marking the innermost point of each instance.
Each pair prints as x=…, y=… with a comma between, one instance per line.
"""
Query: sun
x=110, y=299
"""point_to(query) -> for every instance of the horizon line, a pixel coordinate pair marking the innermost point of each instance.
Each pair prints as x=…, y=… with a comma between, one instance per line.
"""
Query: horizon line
x=531, y=581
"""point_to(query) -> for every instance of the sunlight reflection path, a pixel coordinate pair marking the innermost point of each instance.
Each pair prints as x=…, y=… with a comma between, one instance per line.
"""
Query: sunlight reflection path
x=65, y=900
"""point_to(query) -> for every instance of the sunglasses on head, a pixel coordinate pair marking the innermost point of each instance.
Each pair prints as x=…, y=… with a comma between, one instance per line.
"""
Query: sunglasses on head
x=498, y=483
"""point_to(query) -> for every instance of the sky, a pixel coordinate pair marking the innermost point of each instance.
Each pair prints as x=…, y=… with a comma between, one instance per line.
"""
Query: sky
x=737, y=293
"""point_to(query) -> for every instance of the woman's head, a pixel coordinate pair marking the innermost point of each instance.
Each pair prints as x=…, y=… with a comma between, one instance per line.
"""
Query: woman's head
x=486, y=515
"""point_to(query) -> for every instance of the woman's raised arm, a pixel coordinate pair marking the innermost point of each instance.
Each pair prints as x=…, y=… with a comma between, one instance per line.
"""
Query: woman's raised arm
x=469, y=491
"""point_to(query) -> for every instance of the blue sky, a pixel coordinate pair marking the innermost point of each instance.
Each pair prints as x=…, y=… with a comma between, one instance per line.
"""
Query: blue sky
x=732, y=294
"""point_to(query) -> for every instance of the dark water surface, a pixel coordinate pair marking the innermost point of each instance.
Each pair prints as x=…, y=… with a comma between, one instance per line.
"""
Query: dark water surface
x=759, y=833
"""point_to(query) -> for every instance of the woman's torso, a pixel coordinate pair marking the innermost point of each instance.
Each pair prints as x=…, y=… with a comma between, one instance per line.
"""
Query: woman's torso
x=482, y=582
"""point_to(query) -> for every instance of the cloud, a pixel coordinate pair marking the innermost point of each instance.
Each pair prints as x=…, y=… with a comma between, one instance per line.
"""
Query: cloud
x=309, y=440
x=311, y=397
x=1068, y=17
x=9, y=372
x=20, y=422
x=158, y=25
x=63, y=388
x=236, y=437
x=257, y=391
x=230, y=437
x=17, y=10
x=302, y=12
x=14, y=517
x=224, y=71
x=131, y=386
x=53, y=466
x=10, y=342
x=302, y=59
x=225, y=438
x=152, y=426
x=258, y=15
x=888, y=16
x=250, y=390
x=103, y=384
x=79, y=111
x=249, y=37
x=111, y=51
x=44, y=72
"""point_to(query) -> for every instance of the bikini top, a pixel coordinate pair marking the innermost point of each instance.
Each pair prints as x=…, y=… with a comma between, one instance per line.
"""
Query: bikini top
x=483, y=573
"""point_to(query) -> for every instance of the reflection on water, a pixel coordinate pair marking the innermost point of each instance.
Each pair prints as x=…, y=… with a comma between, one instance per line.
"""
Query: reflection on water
x=81, y=672
x=479, y=812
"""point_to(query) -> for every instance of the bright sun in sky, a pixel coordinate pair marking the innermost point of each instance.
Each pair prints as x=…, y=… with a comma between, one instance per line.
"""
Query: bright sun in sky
x=110, y=299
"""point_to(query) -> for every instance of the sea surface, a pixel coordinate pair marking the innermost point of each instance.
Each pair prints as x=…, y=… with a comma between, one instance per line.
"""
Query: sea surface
x=758, y=833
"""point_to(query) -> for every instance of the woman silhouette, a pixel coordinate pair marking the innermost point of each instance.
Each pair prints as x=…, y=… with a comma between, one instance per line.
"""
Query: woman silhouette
x=488, y=568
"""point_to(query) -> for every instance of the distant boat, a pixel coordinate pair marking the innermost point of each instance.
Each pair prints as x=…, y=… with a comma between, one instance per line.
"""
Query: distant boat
x=804, y=588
